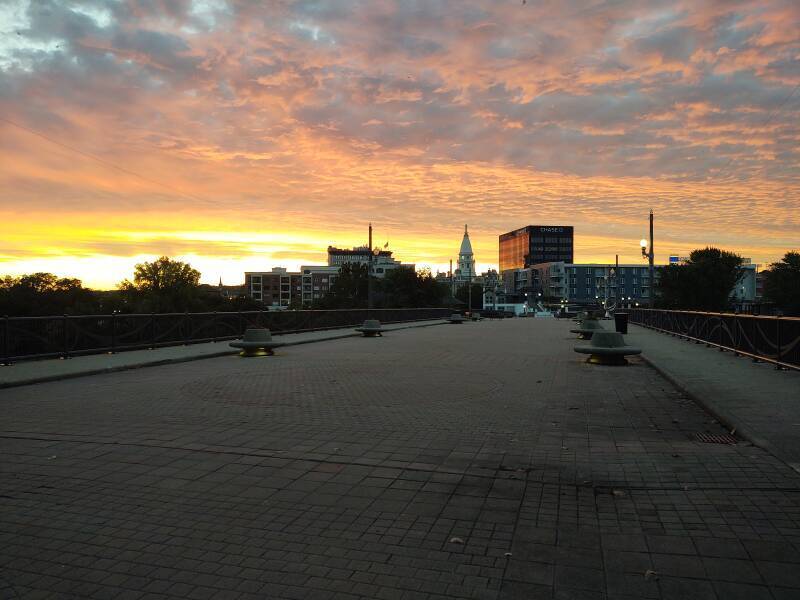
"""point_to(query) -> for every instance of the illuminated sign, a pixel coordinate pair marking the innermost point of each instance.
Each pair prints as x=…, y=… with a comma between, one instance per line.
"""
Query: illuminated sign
x=551, y=229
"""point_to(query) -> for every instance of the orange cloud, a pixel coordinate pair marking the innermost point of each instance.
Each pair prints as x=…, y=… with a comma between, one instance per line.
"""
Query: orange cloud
x=258, y=134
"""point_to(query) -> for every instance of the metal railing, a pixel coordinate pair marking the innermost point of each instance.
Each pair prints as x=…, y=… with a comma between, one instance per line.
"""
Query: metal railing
x=70, y=335
x=774, y=340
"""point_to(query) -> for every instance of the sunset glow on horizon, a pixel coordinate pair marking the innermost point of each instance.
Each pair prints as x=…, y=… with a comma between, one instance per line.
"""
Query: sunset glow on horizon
x=243, y=136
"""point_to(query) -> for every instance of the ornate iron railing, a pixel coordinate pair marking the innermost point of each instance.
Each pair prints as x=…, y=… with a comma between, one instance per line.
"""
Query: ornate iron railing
x=771, y=339
x=69, y=335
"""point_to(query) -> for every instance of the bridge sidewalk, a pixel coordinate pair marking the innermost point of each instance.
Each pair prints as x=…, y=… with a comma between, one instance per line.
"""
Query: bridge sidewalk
x=39, y=371
x=760, y=402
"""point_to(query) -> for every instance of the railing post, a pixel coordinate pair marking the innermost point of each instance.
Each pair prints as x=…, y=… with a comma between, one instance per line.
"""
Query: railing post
x=187, y=325
x=214, y=327
x=778, y=356
x=113, y=332
x=152, y=330
x=736, y=335
x=65, y=334
x=6, y=340
x=241, y=324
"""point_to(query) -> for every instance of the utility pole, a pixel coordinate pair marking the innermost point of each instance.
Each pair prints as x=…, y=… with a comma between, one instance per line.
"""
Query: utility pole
x=650, y=257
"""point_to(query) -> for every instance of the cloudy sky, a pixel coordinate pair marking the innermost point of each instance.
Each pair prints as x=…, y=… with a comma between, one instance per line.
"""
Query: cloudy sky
x=242, y=135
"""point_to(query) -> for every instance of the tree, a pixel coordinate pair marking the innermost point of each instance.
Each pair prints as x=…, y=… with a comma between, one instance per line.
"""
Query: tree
x=704, y=282
x=404, y=287
x=349, y=290
x=45, y=294
x=462, y=293
x=401, y=287
x=164, y=285
x=782, y=283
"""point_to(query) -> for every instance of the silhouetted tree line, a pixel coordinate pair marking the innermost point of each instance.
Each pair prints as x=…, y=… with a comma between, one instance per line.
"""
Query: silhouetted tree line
x=164, y=285
x=399, y=288
x=705, y=281
x=782, y=283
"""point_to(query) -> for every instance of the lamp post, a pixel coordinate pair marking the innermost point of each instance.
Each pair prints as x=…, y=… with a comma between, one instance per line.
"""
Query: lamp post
x=369, y=272
x=647, y=252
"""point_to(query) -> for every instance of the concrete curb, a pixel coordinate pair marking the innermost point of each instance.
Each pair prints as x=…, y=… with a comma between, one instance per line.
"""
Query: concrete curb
x=181, y=359
x=701, y=399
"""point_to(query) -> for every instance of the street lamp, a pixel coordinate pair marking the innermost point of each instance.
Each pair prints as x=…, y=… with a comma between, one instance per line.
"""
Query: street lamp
x=647, y=252
x=372, y=252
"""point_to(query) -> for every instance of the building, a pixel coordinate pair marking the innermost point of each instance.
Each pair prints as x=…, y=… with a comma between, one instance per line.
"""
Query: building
x=750, y=287
x=274, y=288
x=521, y=281
x=280, y=289
x=353, y=256
x=759, y=285
x=587, y=284
x=465, y=271
x=382, y=262
x=317, y=280
x=536, y=244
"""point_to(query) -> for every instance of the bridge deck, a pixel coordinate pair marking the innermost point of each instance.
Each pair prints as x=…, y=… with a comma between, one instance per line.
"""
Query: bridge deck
x=479, y=461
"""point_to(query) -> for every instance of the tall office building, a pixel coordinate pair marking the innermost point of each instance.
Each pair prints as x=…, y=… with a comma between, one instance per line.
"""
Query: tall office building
x=536, y=244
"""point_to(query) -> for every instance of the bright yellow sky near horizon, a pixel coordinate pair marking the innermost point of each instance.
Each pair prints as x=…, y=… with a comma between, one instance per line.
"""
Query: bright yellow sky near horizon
x=248, y=137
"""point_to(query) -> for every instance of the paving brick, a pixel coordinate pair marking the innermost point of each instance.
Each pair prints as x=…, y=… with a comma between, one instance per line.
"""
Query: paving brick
x=309, y=477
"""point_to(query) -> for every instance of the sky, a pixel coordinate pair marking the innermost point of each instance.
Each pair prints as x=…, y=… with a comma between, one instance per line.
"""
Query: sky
x=242, y=135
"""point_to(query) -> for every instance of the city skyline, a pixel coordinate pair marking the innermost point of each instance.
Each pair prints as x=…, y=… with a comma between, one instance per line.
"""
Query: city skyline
x=241, y=138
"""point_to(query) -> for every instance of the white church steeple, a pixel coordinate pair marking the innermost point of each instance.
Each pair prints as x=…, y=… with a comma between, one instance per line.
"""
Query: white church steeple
x=466, y=260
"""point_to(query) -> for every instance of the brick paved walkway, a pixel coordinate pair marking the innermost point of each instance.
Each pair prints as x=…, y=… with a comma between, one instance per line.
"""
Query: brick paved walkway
x=26, y=372
x=482, y=460
x=760, y=402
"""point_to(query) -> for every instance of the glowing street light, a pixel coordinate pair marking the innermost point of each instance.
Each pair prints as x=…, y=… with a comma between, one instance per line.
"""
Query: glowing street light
x=647, y=253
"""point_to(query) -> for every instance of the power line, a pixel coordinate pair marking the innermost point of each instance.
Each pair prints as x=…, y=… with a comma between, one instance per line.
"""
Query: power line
x=103, y=161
